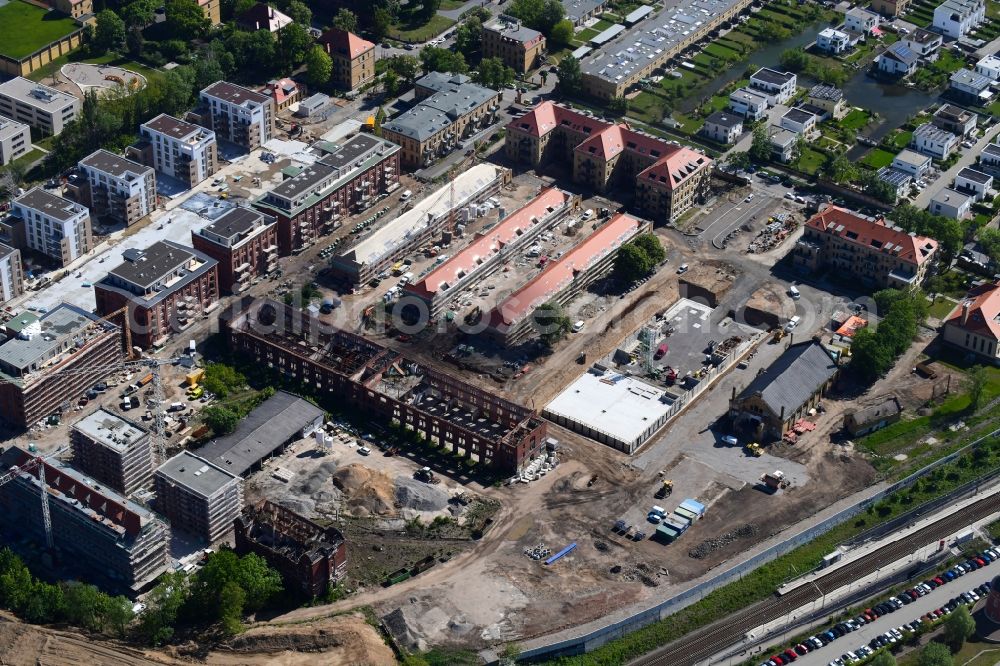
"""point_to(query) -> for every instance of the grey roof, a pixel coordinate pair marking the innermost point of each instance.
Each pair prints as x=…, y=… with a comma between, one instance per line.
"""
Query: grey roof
x=969, y=78
x=902, y=53
x=109, y=429
x=798, y=115
x=441, y=81
x=912, y=157
x=440, y=110
x=37, y=95
x=934, y=133
x=6, y=251
x=196, y=474
x=49, y=204
x=638, y=14
x=63, y=321
x=234, y=94
x=921, y=36
x=173, y=127
x=10, y=127
x=780, y=136
x=114, y=165
x=577, y=9
x=975, y=176
x=993, y=150
x=953, y=114
x=873, y=413
x=823, y=91
x=236, y=223
x=723, y=119
x=772, y=76
x=267, y=428
x=748, y=95
x=793, y=378
x=145, y=268
x=511, y=28
x=950, y=197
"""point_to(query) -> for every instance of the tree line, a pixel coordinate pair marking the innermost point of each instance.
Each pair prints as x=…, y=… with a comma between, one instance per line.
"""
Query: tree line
x=875, y=349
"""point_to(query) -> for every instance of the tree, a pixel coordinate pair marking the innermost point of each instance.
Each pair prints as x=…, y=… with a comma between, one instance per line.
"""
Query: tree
x=390, y=82
x=429, y=8
x=231, y=601
x=319, y=66
x=631, y=263
x=345, y=19
x=258, y=582
x=883, y=659
x=874, y=186
x=760, y=146
x=436, y=59
x=407, y=67
x=207, y=71
x=947, y=231
x=109, y=35
x=651, y=245
x=252, y=51
x=840, y=169
x=186, y=20
x=795, y=60
x=935, y=654
x=381, y=22
x=959, y=626
x=220, y=378
x=561, y=34
x=85, y=605
x=134, y=42
x=617, y=106
x=222, y=420
x=293, y=43
x=300, y=13
x=163, y=605
x=989, y=241
x=541, y=15
x=738, y=160
x=551, y=322
x=570, y=76
x=468, y=37
x=140, y=13
x=492, y=73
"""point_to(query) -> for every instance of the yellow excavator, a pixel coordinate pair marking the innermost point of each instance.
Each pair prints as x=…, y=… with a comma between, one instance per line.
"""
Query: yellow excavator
x=666, y=488
x=753, y=449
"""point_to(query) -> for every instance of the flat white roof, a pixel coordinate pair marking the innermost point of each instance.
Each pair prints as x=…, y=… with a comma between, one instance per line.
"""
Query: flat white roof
x=612, y=403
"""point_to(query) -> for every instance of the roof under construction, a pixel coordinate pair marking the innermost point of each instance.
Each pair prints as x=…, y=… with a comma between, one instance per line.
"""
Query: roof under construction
x=287, y=533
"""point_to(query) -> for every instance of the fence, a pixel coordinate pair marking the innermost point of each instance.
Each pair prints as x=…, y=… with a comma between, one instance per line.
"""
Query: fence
x=598, y=637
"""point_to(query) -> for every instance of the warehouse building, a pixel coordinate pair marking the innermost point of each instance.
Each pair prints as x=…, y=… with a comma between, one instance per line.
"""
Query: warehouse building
x=244, y=242
x=49, y=362
x=311, y=558
x=97, y=534
x=265, y=432
x=197, y=496
x=113, y=450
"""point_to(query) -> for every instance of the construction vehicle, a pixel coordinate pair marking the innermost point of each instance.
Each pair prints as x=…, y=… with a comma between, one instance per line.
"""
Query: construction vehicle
x=754, y=449
x=671, y=377
x=426, y=475
x=666, y=488
x=775, y=481
x=779, y=334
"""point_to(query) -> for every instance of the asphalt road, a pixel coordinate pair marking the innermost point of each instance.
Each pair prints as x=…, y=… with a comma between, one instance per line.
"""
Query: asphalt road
x=946, y=179
x=924, y=604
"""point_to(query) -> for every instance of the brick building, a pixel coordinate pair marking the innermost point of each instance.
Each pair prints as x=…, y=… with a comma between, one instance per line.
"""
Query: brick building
x=244, y=242
x=519, y=47
x=353, y=58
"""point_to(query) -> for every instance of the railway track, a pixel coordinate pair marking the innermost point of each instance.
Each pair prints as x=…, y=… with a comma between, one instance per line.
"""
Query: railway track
x=716, y=637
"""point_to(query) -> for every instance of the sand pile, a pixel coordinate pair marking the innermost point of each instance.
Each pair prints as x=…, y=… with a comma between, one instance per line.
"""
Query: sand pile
x=368, y=492
x=413, y=494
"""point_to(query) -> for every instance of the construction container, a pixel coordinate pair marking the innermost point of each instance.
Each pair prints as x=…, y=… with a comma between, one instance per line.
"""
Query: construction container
x=694, y=506
x=194, y=377
x=690, y=515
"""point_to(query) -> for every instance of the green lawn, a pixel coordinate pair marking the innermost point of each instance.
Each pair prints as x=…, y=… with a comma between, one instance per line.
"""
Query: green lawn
x=421, y=33
x=48, y=70
x=810, y=160
x=971, y=654
x=854, y=120
x=26, y=28
x=941, y=308
x=448, y=5
x=29, y=158
x=878, y=158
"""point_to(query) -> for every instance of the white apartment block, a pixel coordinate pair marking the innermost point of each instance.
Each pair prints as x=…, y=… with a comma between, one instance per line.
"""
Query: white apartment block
x=933, y=141
x=11, y=273
x=15, y=140
x=44, y=108
x=778, y=87
x=238, y=114
x=750, y=104
x=118, y=188
x=178, y=149
x=957, y=18
x=56, y=227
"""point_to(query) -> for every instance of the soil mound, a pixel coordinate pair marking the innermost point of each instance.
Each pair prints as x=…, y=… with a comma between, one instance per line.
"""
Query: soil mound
x=367, y=491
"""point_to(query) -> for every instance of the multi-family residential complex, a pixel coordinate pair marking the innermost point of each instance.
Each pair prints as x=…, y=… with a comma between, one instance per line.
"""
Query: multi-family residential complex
x=311, y=558
x=42, y=107
x=512, y=320
x=974, y=326
x=53, y=226
x=197, y=496
x=353, y=58
x=668, y=178
x=957, y=18
x=237, y=114
x=438, y=124
x=96, y=533
x=518, y=46
x=244, y=242
x=165, y=288
x=113, y=450
x=870, y=251
x=15, y=140
x=11, y=273
x=49, y=362
x=115, y=187
x=312, y=200
x=177, y=148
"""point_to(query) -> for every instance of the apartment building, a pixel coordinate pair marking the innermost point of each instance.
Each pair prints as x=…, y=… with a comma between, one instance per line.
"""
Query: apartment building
x=933, y=141
x=53, y=226
x=49, y=362
x=75, y=8
x=165, y=288
x=212, y=10
x=512, y=320
x=310, y=557
x=518, y=46
x=668, y=178
x=115, y=187
x=438, y=124
x=113, y=450
x=778, y=87
x=957, y=18
x=353, y=58
x=97, y=534
x=11, y=273
x=347, y=178
x=15, y=140
x=244, y=242
x=178, y=149
x=974, y=326
x=197, y=496
x=237, y=114
x=748, y=103
x=870, y=251
x=44, y=108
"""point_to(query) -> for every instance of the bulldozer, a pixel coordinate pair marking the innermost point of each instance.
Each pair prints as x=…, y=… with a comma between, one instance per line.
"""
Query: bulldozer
x=779, y=333
x=666, y=488
x=753, y=449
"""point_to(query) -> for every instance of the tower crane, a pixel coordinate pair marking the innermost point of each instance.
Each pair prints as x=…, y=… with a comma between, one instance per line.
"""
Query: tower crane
x=28, y=467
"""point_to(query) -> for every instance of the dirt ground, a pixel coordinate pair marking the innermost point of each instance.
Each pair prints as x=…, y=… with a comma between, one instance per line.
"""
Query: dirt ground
x=341, y=640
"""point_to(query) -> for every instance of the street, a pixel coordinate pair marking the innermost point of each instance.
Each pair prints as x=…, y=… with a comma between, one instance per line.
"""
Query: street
x=968, y=158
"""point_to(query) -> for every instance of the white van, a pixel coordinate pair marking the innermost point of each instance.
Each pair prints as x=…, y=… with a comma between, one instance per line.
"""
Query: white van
x=406, y=195
x=730, y=440
x=794, y=292
x=658, y=510
x=578, y=326
x=792, y=323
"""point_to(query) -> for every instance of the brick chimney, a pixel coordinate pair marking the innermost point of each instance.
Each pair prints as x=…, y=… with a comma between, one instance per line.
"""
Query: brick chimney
x=965, y=312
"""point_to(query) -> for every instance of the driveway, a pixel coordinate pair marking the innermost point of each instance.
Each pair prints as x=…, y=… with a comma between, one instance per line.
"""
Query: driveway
x=945, y=179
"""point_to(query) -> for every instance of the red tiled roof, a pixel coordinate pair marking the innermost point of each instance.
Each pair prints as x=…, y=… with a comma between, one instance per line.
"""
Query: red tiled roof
x=346, y=43
x=277, y=88
x=984, y=312
x=676, y=167
x=486, y=245
x=605, y=144
x=546, y=116
x=558, y=274
x=873, y=234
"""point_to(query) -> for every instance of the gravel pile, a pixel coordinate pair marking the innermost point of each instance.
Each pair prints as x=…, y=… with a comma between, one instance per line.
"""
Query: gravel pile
x=317, y=479
x=413, y=494
x=706, y=547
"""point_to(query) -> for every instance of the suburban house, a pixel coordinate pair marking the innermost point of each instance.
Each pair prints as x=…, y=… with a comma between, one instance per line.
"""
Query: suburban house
x=955, y=120
x=263, y=17
x=951, y=203
x=799, y=121
x=957, y=18
x=898, y=61
x=989, y=67
x=833, y=41
x=934, y=141
x=912, y=163
x=890, y=7
x=778, y=87
x=975, y=324
x=924, y=43
x=976, y=184
x=970, y=86
x=861, y=20
x=900, y=180
x=748, y=103
x=826, y=102
x=723, y=127
x=990, y=157
x=782, y=143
